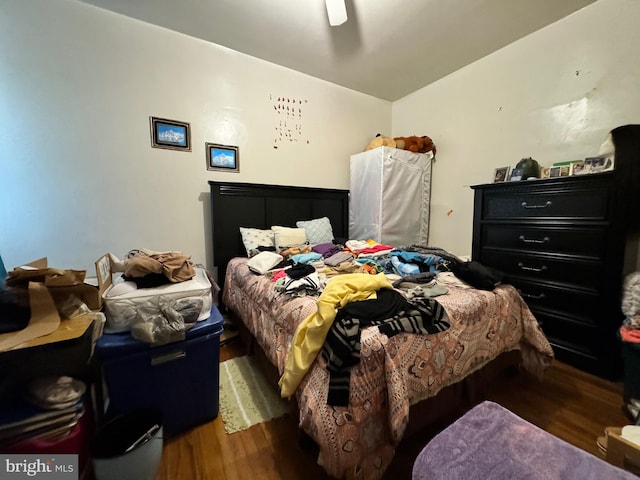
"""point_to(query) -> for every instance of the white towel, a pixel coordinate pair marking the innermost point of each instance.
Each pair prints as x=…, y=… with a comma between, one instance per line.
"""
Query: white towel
x=263, y=262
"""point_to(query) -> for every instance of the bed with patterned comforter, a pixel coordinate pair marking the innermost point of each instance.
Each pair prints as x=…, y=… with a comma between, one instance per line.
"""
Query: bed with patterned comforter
x=359, y=440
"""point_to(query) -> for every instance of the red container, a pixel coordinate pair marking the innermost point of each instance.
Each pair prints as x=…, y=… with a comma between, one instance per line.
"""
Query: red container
x=78, y=441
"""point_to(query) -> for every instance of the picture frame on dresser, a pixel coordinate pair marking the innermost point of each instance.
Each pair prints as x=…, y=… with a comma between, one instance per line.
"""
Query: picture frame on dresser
x=598, y=164
x=516, y=174
x=500, y=174
x=577, y=168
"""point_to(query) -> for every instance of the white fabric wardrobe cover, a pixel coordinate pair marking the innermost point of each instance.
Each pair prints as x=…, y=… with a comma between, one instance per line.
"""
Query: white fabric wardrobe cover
x=390, y=191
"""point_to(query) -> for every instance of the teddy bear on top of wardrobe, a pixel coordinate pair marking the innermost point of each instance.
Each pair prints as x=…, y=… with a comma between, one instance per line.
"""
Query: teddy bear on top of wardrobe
x=412, y=143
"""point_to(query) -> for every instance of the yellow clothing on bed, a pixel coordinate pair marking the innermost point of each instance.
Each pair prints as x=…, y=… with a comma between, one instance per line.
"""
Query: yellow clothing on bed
x=310, y=335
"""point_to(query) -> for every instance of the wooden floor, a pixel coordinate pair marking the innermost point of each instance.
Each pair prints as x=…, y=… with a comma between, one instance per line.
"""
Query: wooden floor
x=569, y=403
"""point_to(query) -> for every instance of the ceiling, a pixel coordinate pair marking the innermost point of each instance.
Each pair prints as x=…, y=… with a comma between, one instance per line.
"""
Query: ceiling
x=387, y=48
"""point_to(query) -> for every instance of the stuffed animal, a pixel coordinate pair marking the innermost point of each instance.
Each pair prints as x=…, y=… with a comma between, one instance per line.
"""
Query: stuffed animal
x=416, y=144
x=380, y=141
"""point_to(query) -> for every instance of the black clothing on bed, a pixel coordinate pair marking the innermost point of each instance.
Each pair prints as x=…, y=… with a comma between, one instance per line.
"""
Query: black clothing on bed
x=392, y=314
x=299, y=271
x=474, y=273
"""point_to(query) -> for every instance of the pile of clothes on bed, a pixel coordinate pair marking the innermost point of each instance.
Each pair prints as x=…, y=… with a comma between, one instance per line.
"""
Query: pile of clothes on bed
x=305, y=269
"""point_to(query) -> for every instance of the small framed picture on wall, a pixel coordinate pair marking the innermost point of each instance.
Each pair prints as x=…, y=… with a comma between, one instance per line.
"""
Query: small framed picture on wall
x=170, y=134
x=222, y=157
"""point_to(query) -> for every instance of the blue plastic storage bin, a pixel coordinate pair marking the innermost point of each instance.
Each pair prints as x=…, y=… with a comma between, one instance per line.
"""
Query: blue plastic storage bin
x=180, y=379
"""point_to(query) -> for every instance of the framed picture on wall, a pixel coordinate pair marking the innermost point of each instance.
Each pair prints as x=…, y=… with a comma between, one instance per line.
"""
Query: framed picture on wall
x=170, y=134
x=222, y=157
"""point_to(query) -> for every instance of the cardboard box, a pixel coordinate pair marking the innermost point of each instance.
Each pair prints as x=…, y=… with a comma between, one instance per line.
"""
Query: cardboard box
x=621, y=452
x=64, y=283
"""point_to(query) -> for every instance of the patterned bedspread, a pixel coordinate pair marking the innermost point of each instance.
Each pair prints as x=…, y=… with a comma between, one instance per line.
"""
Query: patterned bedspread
x=359, y=441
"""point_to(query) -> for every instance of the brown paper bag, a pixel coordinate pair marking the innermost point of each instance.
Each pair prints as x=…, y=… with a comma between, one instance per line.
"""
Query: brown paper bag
x=38, y=271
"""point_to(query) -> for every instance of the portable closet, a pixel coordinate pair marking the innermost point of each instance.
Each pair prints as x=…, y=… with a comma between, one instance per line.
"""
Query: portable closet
x=390, y=192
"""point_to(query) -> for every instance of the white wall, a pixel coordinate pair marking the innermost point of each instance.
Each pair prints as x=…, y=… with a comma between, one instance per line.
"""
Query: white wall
x=78, y=84
x=553, y=96
x=79, y=177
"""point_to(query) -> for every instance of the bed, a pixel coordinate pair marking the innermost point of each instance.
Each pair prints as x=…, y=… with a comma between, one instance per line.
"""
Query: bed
x=402, y=383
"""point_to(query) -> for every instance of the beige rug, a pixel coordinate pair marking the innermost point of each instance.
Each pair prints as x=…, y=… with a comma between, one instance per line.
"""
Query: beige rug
x=246, y=397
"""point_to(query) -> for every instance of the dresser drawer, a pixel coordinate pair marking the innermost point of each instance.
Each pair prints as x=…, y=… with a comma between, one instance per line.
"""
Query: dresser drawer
x=581, y=241
x=583, y=273
x=582, y=306
x=567, y=333
x=591, y=204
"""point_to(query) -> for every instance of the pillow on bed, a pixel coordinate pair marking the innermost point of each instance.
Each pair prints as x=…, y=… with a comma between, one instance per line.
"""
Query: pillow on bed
x=318, y=230
x=252, y=238
x=286, y=237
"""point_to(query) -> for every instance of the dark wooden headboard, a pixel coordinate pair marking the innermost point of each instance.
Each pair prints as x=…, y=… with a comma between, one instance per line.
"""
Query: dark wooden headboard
x=235, y=205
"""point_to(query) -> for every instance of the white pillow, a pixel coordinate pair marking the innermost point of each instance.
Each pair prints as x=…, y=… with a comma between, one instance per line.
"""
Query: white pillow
x=318, y=230
x=286, y=237
x=252, y=238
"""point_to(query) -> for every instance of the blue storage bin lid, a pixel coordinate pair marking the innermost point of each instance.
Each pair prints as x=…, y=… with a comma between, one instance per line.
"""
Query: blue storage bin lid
x=116, y=344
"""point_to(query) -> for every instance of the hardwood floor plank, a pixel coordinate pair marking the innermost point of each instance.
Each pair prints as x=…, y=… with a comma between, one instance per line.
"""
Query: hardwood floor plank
x=571, y=404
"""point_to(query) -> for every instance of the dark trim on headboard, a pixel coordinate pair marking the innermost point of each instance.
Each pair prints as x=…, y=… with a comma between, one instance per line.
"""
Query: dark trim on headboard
x=235, y=205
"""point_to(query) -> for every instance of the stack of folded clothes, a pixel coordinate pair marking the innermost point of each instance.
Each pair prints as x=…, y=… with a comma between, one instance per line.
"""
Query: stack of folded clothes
x=49, y=408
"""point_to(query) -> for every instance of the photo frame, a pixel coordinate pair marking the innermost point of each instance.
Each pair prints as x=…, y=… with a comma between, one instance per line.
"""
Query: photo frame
x=598, y=164
x=516, y=174
x=577, y=168
x=170, y=134
x=500, y=174
x=222, y=157
x=554, y=171
x=565, y=170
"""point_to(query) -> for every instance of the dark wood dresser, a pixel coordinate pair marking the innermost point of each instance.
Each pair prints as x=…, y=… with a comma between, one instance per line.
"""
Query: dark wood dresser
x=561, y=242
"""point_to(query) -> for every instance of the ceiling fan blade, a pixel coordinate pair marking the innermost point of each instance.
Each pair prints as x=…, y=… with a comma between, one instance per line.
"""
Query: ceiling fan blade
x=337, y=12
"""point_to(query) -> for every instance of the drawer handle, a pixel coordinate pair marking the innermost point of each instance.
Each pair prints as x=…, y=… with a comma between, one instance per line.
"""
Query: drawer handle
x=526, y=205
x=532, y=269
x=533, y=240
x=540, y=296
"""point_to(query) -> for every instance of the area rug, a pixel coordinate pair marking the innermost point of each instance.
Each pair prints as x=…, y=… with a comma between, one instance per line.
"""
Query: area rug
x=490, y=441
x=246, y=397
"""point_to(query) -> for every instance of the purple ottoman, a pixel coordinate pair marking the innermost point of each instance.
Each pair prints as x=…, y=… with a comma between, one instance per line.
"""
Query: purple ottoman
x=490, y=442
